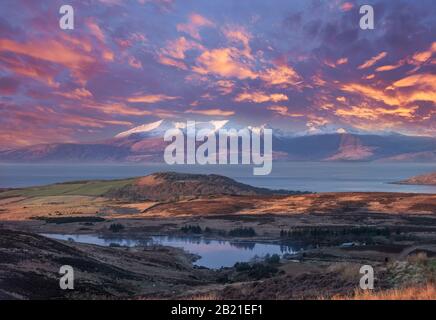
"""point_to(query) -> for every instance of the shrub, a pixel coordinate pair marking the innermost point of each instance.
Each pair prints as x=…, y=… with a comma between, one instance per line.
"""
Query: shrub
x=274, y=259
x=191, y=229
x=260, y=270
x=208, y=230
x=72, y=219
x=256, y=270
x=242, y=232
x=323, y=232
x=242, y=266
x=116, y=227
x=114, y=245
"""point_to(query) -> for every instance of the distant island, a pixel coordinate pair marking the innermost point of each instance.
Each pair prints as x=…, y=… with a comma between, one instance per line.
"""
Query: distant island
x=425, y=179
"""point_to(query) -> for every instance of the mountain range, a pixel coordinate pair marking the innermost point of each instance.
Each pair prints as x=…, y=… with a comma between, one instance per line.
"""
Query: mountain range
x=145, y=144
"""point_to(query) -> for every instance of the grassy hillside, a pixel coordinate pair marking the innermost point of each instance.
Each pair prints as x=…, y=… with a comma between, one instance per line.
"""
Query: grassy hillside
x=81, y=188
x=158, y=186
x=101, y=272
x=163, y=186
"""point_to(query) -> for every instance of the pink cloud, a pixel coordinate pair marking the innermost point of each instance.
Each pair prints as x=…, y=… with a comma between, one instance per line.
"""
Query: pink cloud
x=196, y=22
x=347, y=6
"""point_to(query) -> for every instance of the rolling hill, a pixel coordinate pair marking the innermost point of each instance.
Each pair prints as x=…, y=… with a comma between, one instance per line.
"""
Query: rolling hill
x=161, y=186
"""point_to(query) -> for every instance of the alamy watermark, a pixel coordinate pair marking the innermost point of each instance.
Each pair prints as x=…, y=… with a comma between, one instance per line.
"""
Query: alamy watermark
x=366, y=22
x=66, y=22
x=222, y=146
x=367, y=280
x=367, y=19
x=67, y=279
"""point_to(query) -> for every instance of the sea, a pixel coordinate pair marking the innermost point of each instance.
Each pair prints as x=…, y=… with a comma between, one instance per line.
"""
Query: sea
x=302, y=176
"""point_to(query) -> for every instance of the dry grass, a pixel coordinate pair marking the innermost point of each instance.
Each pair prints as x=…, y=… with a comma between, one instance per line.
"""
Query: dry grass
x=348, y=271
x=204, y=296
x=419, y=258
x=427, y=292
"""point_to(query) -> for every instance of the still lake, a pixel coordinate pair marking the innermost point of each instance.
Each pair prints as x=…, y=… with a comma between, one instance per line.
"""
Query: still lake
x=305, y=176
x=214, y=254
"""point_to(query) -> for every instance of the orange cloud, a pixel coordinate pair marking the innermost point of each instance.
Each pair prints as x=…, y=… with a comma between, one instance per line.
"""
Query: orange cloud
x=212, y=112
x=95, y=30
x=134, y=63
x=52, y=51
x=34, y=71
x=316, y=122
x=76, y=94
x=371, y=93
x=118, y=109
x=225, y=86
x=284, y=111
x=176, y=49
x=427, y=80
x=171, y=62
x=281, y=75
x=334, y=64
x=88, y=122
x=192, y=28
x=369, y=77
x=82, y=43
x=359, y=112
x=423, y=56
x=420, y=95
x=239, y=34
x=330, y=64
x=49, y=50
x=421, y=87
x=318, y=80
x=390, y=67
x=223, y=62
x=347, y=6
x=376, y=113
x=46, y=124
x=372, y=61
x=108, y=55
x=152, y=98
x=33, y=135
x=342, y=61
x=426, y=91
x=260, y=97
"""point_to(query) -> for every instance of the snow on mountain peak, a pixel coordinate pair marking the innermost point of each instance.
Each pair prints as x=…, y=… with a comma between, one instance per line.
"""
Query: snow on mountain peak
x=143, y=128
x=162, y=125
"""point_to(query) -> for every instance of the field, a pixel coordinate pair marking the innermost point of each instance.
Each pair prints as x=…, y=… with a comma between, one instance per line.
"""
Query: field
x=395, y=233
x=85, y=188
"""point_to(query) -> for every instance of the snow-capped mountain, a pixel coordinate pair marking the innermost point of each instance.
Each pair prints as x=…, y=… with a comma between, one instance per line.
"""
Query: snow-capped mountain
x=145, y=128
x=145, y=143
x=158, y=128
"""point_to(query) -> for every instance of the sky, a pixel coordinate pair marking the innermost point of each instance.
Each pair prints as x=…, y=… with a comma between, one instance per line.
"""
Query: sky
x=304, y=67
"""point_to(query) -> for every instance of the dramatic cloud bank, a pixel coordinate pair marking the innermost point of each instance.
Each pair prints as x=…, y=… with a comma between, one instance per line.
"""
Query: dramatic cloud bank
x=301, y=66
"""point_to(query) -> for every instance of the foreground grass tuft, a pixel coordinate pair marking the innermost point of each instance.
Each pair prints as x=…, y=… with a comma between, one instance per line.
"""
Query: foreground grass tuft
x=427, y=292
